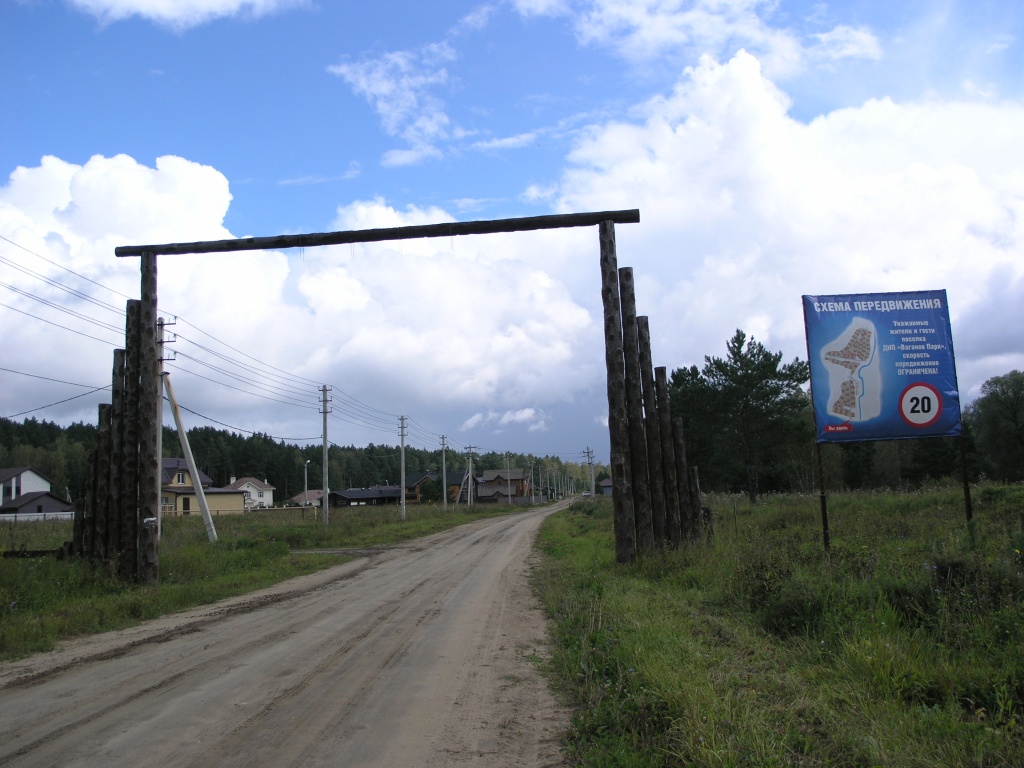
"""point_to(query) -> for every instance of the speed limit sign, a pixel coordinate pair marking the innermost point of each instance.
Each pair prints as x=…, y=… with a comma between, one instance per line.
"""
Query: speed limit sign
x=920, y=405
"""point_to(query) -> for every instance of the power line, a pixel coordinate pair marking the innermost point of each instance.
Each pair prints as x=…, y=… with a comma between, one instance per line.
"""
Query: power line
x=45, y=378
x=58, y=325
x=239, y=389
x=59, y=308
x=247, y=431
x=59, y=402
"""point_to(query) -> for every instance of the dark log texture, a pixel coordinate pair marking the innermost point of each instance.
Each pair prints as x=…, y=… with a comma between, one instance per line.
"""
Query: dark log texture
x=149, y=394
x=687, y=513
x=102, y=470
x=635, y=414
x=129, y=496
x=117, y=403
x=668, y=459
x=622, y=484
x=652, y=428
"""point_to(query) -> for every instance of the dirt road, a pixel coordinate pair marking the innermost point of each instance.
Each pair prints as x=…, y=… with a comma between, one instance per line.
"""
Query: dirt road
x=416, y=655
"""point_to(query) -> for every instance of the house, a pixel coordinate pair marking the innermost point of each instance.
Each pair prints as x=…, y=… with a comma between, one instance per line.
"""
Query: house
x=374, y=495
x=178, y=494
x=23, y=491
x=605, y=487
x=258, y=493
x=38, y=503
x=499, y=485
x=16, y=481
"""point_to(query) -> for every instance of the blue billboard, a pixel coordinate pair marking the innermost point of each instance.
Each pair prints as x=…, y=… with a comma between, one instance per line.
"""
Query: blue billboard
x=882, y=366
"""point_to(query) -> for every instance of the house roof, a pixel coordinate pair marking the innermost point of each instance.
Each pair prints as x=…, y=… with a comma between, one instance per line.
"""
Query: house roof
x=172, y=466
x=491, y=475
x=373, y=492
x=26, y=499
x=8, y=472
x=487, y=491
x=259, y=485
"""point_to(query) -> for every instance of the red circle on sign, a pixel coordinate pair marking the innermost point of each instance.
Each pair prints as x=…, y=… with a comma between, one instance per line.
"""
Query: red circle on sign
x=920, y=405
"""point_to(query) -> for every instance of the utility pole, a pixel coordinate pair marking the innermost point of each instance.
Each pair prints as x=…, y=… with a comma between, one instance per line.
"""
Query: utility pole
x=590, y=463
x=160, y=423
x=469, y=477
x=401, y=433
x=305, y=487
x=444, y=473
x=324, y=501
x=508, y=475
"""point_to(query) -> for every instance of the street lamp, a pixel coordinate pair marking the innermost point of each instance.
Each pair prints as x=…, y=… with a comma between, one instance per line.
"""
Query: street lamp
x=305, y=483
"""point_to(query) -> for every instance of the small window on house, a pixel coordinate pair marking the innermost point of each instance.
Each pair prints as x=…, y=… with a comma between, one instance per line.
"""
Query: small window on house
x=259, y=494
x=181, y=478
x=185, y=504
x=39, y=509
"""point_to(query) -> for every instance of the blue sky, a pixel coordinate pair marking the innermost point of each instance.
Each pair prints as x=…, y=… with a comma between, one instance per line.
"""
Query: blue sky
x=773, y=149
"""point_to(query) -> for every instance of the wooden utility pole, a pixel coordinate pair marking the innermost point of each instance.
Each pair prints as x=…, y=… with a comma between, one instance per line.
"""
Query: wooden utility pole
x=622, y=480
x=668, y=459
x=652, y=429
x=635, y=414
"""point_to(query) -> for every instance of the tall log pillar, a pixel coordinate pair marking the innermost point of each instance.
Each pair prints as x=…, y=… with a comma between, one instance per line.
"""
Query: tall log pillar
x=635, y=414
x=129, y=501
x=652, y=428
x=622, y=482
x=668, y=458
x=149, y=400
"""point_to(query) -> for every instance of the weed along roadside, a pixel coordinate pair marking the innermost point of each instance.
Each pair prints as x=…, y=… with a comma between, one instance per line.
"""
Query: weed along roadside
x=902, y=648
x=44, y=600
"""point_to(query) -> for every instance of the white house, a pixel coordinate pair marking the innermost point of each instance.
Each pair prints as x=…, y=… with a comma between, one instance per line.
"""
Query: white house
x=17, y=481
x=258, y=493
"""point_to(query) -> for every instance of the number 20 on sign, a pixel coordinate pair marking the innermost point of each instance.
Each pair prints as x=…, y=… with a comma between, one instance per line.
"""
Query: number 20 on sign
x=920, y=405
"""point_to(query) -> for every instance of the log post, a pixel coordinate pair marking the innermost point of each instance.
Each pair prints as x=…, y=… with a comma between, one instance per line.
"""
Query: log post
x=149, y=400
x=622, y=485
x=129, y=496
x=652, y=428
x=668, y=458
x=635, y=414
x=102, y=471
x=116, y=455
x=687, y=513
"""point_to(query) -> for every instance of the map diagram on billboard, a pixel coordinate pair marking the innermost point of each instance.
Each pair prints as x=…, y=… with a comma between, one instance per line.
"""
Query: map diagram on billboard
x=854, y=372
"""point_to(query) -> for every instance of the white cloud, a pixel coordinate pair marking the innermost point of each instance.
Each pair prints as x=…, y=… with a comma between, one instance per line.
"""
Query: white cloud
x=744, y=208
x=401, y=87
x=181, y=14
x=478, y=323
x=509, y=142
x=844, y=42
x=647, y=31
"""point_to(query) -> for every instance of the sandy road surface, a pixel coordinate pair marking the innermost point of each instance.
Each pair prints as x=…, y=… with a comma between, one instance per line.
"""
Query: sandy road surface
x=417, y=655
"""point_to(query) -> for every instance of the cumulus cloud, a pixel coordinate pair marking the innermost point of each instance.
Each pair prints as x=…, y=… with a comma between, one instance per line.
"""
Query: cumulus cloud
x=181, y=14
x=745, y=208
x=479, y=323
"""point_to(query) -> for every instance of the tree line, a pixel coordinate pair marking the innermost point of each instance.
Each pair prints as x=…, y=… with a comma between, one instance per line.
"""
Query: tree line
x=61, y=454
x=749, y=428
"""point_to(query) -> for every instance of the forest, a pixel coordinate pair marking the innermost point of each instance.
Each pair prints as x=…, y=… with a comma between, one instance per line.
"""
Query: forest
x=61, y=455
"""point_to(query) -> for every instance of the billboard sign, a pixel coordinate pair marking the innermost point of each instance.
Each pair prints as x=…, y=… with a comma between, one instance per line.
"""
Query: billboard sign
x=882, y=366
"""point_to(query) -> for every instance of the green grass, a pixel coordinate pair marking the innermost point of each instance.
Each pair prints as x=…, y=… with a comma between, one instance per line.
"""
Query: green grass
x=903, y=648
x=44, y=600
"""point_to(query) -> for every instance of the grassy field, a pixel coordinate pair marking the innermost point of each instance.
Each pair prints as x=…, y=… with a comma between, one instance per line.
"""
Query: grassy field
x=43, y=600
x=905, y=647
